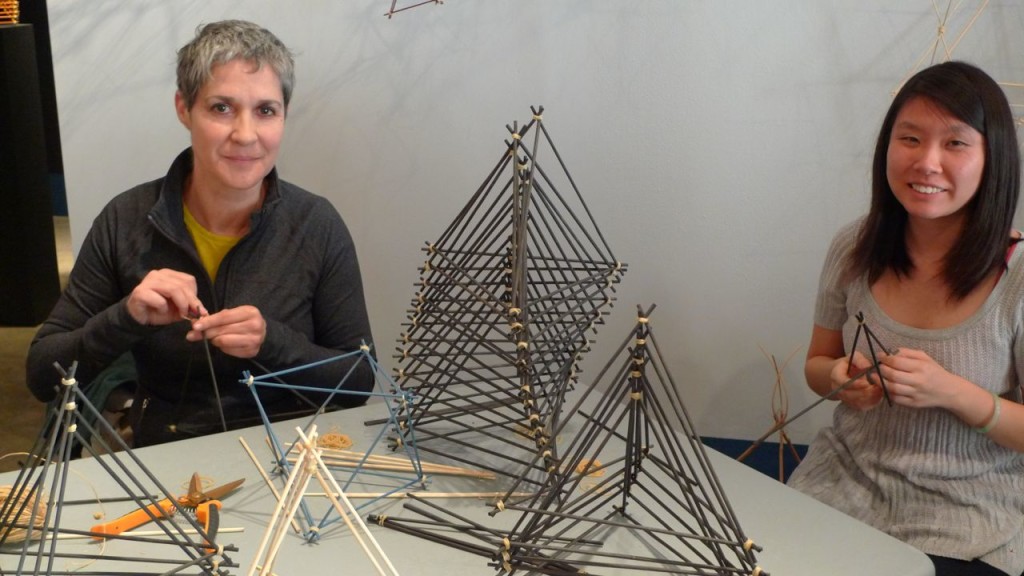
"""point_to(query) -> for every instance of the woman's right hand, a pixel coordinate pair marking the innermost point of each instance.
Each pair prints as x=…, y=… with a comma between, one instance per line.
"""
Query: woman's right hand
x=163, y=297
x=862, y=394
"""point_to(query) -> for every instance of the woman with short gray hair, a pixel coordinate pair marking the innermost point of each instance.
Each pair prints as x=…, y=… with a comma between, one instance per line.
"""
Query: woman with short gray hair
x=217, y=268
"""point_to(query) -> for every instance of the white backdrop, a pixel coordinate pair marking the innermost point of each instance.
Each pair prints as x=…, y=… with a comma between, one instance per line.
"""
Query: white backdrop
x=719, y=143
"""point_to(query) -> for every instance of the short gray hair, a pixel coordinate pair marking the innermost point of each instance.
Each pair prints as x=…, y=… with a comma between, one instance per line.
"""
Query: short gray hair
x=227, y=40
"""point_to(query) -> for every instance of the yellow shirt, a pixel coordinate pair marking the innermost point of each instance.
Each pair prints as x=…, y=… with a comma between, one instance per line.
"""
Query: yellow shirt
x=211, y=247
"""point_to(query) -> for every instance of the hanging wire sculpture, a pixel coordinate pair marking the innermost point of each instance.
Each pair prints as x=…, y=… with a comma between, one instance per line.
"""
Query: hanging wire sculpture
x=395, y=9
x=635, y=471
x=505, y=302
x=942, y=47
x=38, y=507
x=389, y=474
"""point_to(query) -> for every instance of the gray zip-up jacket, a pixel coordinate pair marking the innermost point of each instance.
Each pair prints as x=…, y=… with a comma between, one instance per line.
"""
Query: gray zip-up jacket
x=297, y=265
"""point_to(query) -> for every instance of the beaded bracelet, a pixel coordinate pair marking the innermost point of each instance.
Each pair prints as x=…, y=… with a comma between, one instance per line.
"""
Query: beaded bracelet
x=995, y=416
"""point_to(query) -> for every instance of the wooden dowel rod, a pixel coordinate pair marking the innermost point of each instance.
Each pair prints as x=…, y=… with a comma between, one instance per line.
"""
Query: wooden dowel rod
x=406, y=468
x=270, y=484
x=481, y=495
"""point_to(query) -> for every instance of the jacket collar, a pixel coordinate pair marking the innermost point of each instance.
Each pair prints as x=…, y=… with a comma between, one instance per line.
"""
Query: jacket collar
x=169, y=215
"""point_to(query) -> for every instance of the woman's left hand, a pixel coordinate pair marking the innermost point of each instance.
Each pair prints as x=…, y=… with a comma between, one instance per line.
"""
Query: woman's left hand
x=237, y=331
x=914, y=379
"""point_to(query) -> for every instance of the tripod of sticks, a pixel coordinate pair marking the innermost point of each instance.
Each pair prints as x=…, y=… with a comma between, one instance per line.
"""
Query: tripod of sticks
x=46, y=478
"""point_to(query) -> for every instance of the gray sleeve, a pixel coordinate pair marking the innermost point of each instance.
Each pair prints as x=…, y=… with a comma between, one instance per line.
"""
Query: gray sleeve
x=1015, y=274
x=90, y=323
x=830, y=310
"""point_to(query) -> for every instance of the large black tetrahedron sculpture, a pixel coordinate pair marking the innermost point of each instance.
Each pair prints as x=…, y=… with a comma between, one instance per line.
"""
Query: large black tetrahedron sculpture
x=634, y=490
x=505, y=302
x=636, y=469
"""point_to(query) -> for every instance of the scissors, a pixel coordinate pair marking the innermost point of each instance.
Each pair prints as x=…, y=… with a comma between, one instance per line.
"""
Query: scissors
x=205, y=503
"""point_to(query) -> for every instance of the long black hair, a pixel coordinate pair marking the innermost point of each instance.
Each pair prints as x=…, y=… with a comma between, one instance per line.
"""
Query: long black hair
x=972, y=96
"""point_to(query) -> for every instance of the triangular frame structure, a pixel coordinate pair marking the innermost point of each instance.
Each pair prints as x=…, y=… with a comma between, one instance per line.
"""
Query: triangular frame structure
x=636, y=451
x=47, y=475
x=309, y=465
x=506, y=299
x=397, y=429
x=634, y=438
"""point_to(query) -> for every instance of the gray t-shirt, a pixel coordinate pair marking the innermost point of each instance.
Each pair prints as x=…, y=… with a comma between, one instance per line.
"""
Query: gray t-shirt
x=922, y=475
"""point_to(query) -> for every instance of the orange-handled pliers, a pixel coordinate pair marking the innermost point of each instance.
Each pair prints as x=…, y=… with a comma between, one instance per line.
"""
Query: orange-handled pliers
x=197, y=499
